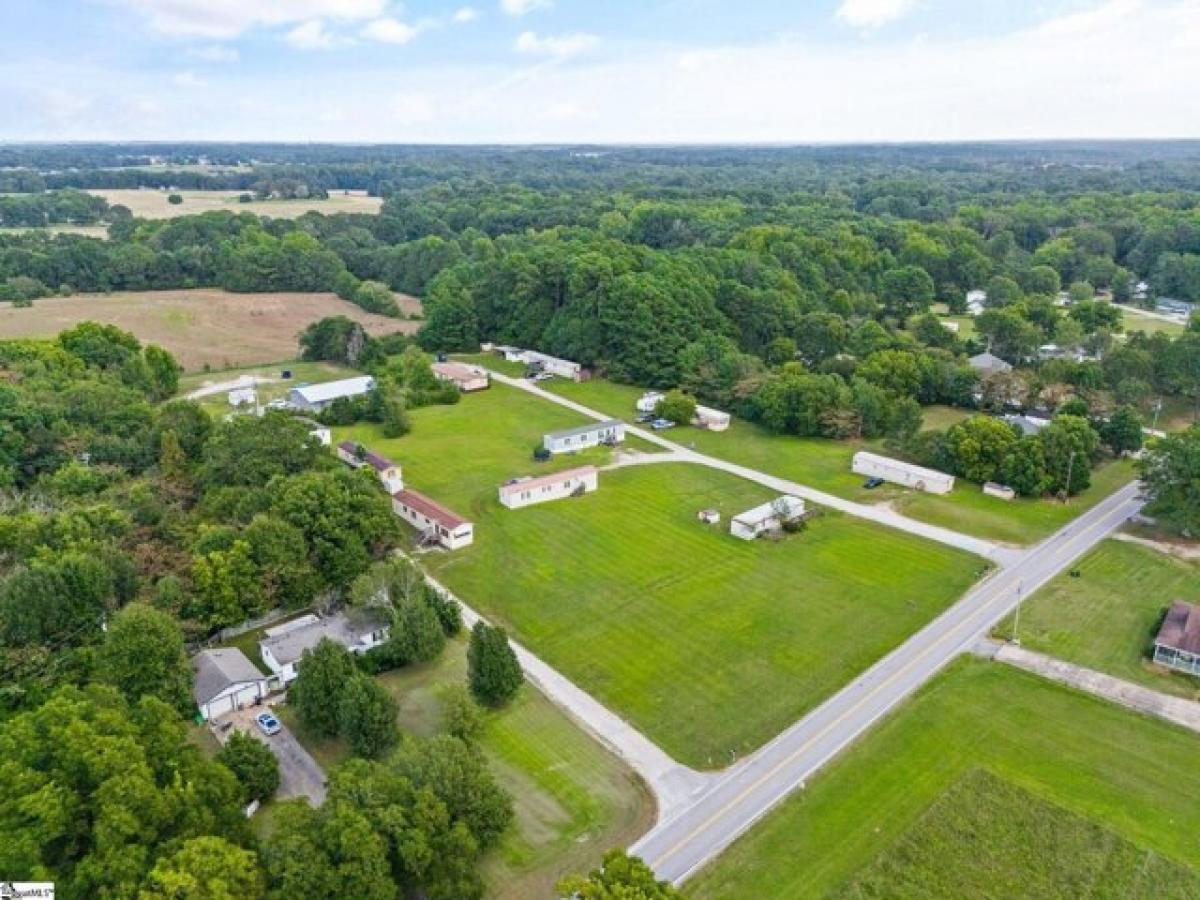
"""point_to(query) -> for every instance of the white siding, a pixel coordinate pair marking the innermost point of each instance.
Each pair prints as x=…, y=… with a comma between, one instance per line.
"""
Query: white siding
x=917, y=477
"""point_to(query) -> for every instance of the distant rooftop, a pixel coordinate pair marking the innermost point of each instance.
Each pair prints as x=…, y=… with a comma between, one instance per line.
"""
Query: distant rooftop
x=586, y=429
x=429, y=508
x=218, y=669
x=1181, y=628
x=374, y=460
x=341, y=628
x=331, y=390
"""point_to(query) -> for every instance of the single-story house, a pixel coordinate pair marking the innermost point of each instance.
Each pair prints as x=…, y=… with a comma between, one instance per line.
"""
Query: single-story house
x=712, y=419
x=1028, y=425
x=467, y=378
x=591, y=435
x=508, y=351
x=768, y=517
x=284, y=646
x=315, y=397
x=357, y=456
x=987, y=363
x=976, y=302
x=570, y=483
x=917, y=477
x=246, y=396
x=1177, y=645
x=563, y=368
x=225, y=680
x=436, y=523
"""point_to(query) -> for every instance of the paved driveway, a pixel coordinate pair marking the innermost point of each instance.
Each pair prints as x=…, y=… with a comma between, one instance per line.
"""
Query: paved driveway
x=299, y=774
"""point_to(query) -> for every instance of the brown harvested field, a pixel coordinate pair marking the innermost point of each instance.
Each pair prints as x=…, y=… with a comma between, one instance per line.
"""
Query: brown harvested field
x=152, y=204
x=202, y=326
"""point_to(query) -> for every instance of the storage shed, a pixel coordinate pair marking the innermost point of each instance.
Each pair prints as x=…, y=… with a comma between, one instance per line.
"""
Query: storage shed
x=908, y=475
x=767, y=518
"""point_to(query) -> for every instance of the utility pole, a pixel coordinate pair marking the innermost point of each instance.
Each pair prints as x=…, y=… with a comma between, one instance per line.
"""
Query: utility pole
x=1016, y=636
x=1070, y=469
x=1157, y=410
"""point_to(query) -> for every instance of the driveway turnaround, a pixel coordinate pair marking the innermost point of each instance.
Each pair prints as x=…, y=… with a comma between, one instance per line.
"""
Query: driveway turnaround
x=299, y=773
x=676, y=847
x=997, y=553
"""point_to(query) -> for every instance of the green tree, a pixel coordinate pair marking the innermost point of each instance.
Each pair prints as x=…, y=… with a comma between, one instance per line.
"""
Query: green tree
x=493, y=671
x=462, y=717
x=1170, y=473
x=1122, y=433
x=248, y=451
x=171, y=459
x=1069, y=444
x=1002, y=291
x=205, y=868
x=367, y=717
x=227, y=586
x=1024, y=468
x=322, y=676
x=143, y=653
x=1081, y=292
x=978, y=446
x=620, y=877
x=164, y=371
x=377, y=298
x=253, y=764
x=677, y=407
x=175, y=199
x=906, y=291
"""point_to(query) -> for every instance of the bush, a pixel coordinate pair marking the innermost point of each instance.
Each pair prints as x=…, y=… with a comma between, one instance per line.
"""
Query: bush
x=677, y=407
x=23, y=290
x=461, y=715
x=376, y=297
x=254, y=765
x=174, y=199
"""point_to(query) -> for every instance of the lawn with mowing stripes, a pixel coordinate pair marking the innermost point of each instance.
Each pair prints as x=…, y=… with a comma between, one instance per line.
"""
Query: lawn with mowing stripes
x=825, y=465
x=708, y=644
x=573, y=799
x=1134, y=776
x=1106, y=618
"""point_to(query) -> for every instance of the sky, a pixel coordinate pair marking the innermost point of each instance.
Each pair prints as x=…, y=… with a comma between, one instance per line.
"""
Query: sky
x=599, y=71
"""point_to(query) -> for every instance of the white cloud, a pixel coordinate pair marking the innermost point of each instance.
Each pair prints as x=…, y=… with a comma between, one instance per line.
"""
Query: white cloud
x=390, y=31
x=312, y=35
x=465, y=14
x=523, y=7
x=559, y=46
x=188, y=80
x=873, y=13
x=224, y=19
x=214, y=53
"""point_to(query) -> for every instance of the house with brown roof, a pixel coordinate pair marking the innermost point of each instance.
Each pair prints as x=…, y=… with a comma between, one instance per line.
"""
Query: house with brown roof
x=466, y=378
x=356, y=456
x=436, y=523
x=1177, y=645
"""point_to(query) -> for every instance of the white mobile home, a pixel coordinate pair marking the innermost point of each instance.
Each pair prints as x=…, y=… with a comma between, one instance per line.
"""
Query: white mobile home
x=528, y=491
x=467, y=378
x=585, y=436
x=711, y=419
x=648, y=402
x=995, y=489
x=356, y=456
x=315, y=397
x=563, y=368
x=284, y=646
x=769, y=517
x=917, y=477
x=224, y=680
x=437, y=524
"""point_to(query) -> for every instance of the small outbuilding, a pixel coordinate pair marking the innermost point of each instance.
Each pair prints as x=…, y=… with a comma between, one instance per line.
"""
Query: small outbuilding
x=768, y=518
x=466, y=378
x=906, y=474
x=315, y=397
x=224, y=680
x=284, y=646
x=709, y=516
x=246, y=396
x=591, y=435
x=976, y=302
x=356, y=456
x=710, y=419
x=1177, y=645
x=1001, y=491
x=436, y=523
x=557, y=486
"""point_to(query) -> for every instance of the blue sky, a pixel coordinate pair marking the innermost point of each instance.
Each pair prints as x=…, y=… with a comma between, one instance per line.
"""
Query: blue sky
x=610, y=71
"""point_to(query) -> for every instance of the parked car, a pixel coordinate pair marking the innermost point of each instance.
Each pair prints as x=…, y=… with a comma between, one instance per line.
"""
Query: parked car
x=268, y=724
x=644, y=418
x=662, y=424
x=871, y=483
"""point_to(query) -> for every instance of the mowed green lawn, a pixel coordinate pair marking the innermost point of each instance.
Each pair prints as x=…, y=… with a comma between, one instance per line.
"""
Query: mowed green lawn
x=1033, y=848
x=573, y=799
x=1106, y=619
x=708, y=644
x=1135, y=777
x=825, y=465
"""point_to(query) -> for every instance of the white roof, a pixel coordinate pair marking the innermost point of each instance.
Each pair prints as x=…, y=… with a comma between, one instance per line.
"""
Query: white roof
x=886, y=462
x=794, y=507
x=289, y=646
x=331, y=390
x=528, y=484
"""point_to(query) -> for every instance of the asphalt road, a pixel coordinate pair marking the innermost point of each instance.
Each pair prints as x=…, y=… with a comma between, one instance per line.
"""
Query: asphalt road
x=676, y=847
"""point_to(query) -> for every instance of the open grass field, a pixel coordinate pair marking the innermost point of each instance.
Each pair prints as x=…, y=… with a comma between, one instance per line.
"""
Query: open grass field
x=303, y=372
x=1032, y=848
x=675, y=624
x=574, y=800
x=1132, y=776
x=825, y=465
x=152, y=204
x=1107, y=618
x=96, y=231
x=201, y=327
x=1136, y=321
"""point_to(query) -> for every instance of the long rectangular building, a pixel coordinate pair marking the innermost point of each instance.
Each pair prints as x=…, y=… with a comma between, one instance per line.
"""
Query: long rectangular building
x=436, y=523
x=591, y=435
x=916, y=477
x=315, y=397
x=556, y=486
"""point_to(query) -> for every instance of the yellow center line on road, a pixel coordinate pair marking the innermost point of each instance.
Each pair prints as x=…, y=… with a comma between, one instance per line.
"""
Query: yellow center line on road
x=996, y=589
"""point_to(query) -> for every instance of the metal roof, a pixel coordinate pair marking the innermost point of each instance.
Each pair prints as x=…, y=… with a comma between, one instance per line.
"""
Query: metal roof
x=332, y=390
x=431, y=509
x=529, y=484
x=339, y=628
x=586, y=429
